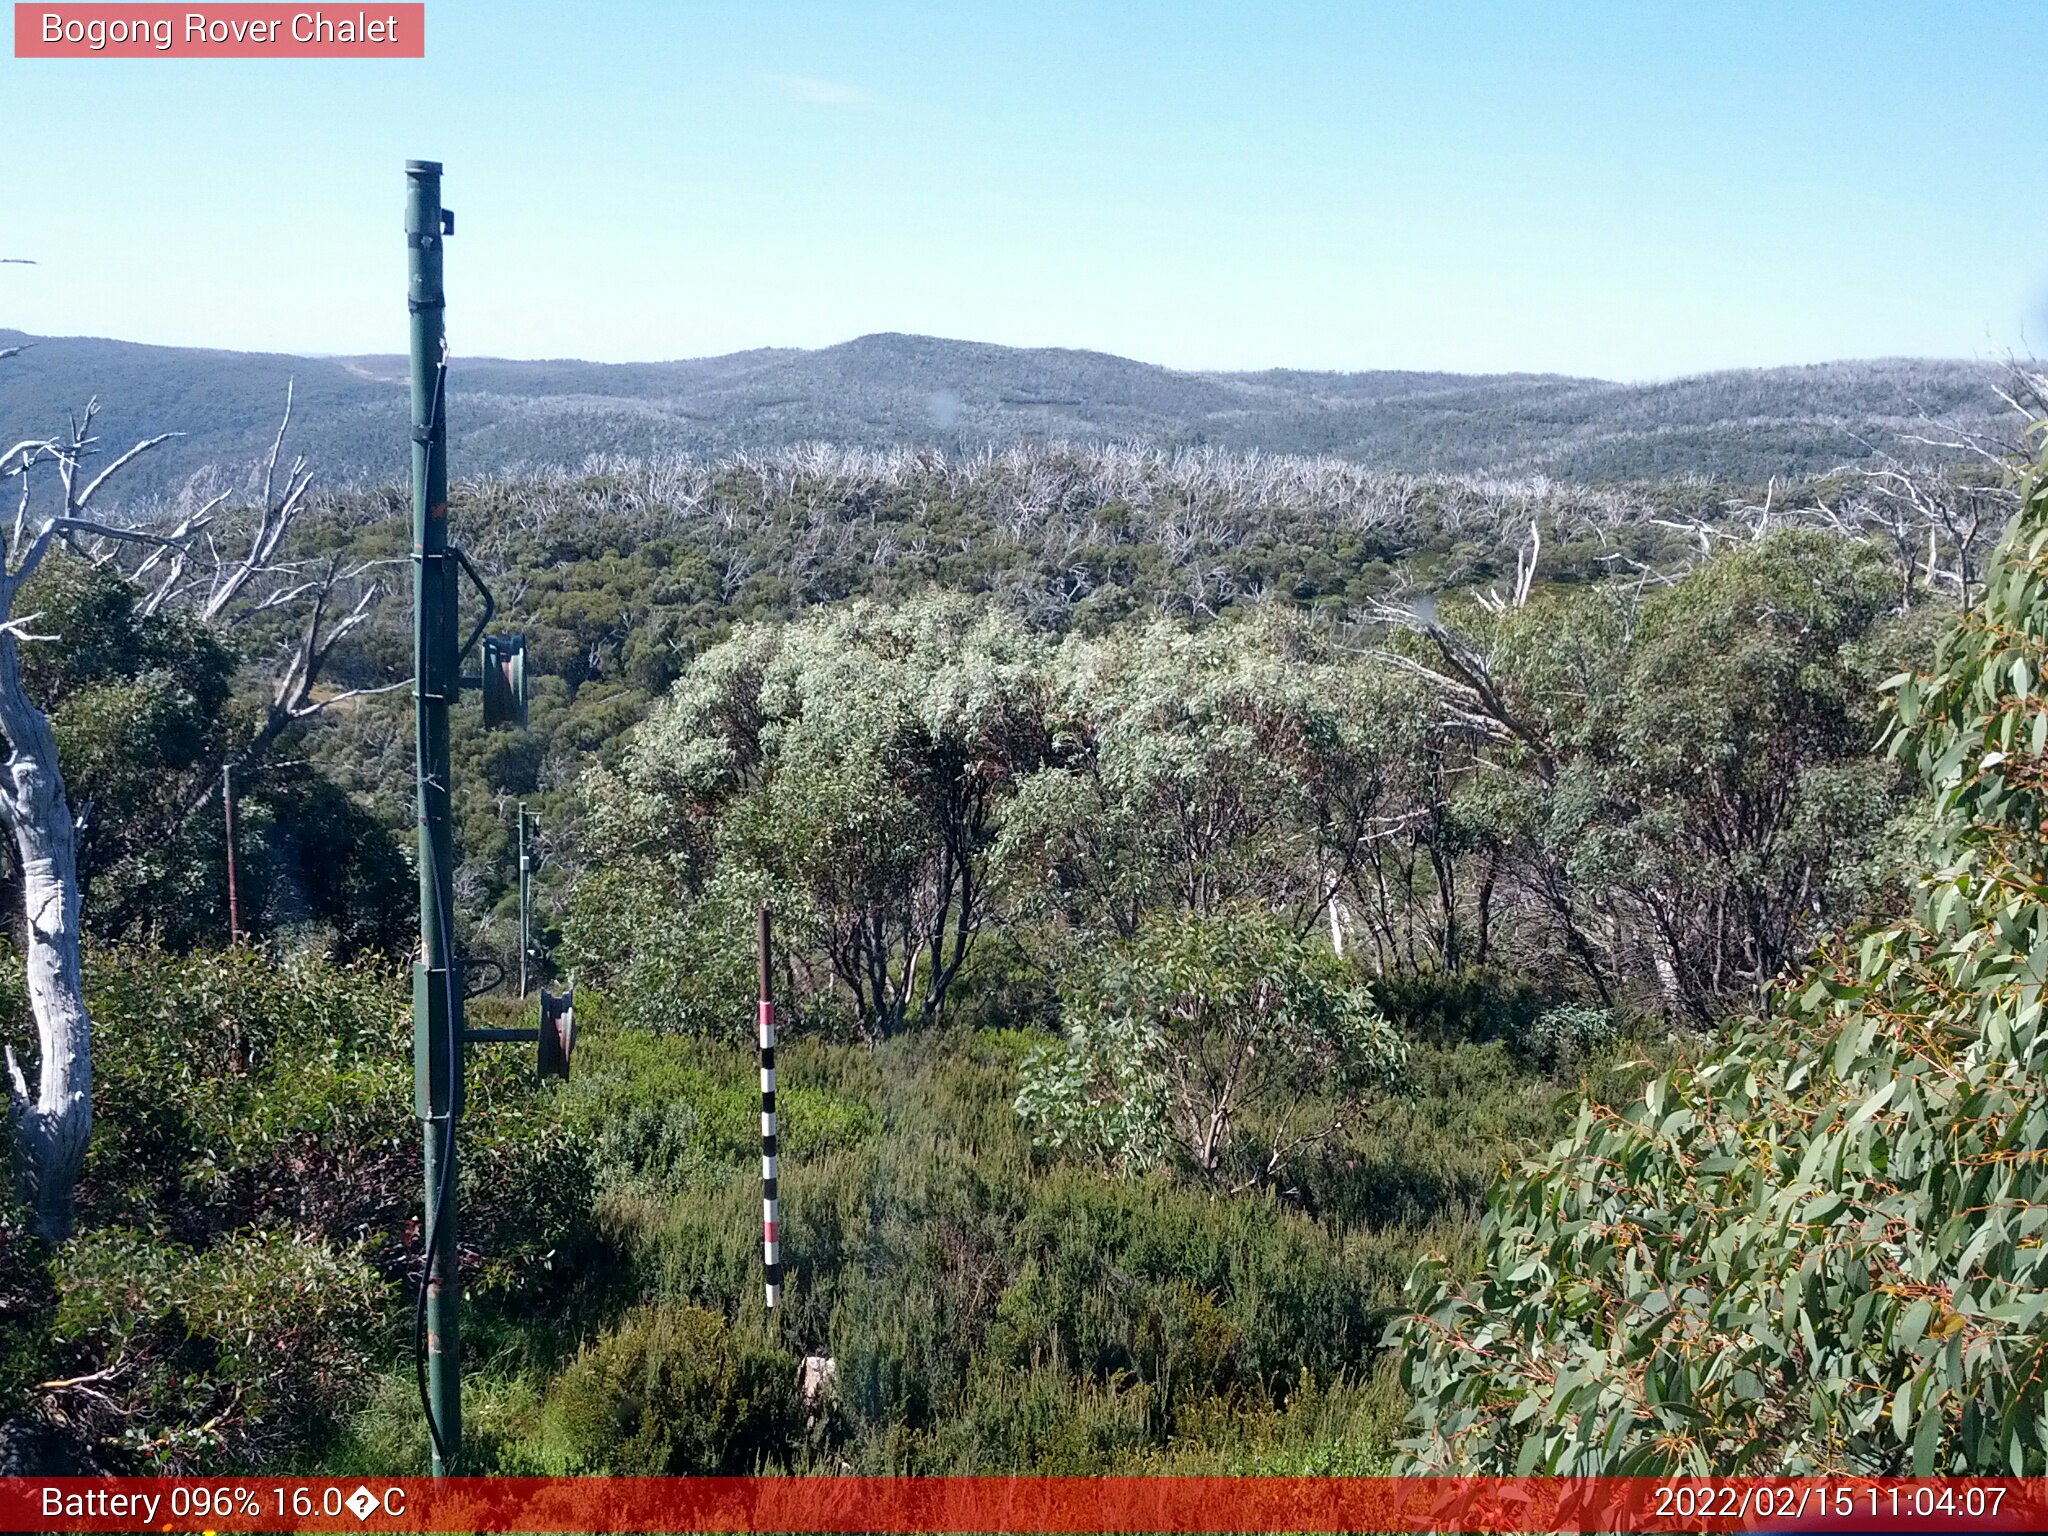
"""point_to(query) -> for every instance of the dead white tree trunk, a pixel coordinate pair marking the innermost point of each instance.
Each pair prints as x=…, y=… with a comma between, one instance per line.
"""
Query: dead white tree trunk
x=52, y=1120
x=52, y=1123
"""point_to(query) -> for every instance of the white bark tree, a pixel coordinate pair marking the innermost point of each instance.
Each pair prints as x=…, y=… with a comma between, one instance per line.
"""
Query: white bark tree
x=52, y=1119
x=221, y=577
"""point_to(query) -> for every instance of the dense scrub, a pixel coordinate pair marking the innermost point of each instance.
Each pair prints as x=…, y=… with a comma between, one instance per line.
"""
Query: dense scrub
x=249, y=1209
x=1659, y=800
x=988, y=1306
x=146, y=706
x=628, y=576
x=1408, y=809
x=237, y=1295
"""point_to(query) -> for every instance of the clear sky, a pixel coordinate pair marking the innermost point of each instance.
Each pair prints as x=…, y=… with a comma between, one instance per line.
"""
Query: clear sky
x=1633, y=190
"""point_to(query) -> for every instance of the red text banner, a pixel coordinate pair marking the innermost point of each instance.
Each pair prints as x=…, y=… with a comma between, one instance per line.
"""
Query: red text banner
x=236, y=31
x=1018, y=1504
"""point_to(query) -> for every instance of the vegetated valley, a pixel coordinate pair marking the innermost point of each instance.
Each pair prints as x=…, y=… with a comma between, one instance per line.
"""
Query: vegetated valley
x=1287, y=967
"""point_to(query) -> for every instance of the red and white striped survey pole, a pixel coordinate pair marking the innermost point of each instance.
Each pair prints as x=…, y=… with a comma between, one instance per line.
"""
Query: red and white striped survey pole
x=771, y=1204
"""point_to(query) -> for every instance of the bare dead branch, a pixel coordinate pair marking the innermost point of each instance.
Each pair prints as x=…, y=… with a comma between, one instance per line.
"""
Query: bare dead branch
x=77, y=503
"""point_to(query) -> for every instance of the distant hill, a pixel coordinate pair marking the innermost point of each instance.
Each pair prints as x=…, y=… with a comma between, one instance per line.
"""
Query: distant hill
x=1745, y=425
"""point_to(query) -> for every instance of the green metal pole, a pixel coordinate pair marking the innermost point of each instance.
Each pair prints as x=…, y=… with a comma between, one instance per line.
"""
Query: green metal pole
x=227, y=805
x=437, y=990
x=525, y=940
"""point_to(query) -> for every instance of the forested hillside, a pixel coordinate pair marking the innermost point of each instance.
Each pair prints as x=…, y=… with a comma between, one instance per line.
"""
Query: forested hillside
x=1201, y=877
x=918, y=391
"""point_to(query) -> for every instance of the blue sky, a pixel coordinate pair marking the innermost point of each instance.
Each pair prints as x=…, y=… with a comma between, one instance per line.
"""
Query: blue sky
x=1630, y=190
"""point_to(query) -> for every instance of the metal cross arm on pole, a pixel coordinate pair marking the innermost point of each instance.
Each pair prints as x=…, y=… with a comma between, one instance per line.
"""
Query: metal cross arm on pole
x=555, y=1037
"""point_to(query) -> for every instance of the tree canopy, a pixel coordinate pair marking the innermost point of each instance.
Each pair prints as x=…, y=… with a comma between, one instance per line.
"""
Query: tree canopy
x=1819, y=1248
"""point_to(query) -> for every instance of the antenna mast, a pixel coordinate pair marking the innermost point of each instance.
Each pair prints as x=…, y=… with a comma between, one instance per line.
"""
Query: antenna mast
x=436, y=989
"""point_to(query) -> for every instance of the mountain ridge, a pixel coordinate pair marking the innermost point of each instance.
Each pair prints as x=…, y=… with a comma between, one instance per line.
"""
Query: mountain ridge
x=896, y=388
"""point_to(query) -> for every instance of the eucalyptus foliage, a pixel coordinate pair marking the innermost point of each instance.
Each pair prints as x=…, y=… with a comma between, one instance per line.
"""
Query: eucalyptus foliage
x=1822, y=1247
x=1681, y=788
x=145, y=706
x=852, y=769
x=1204, y=769
x=897, y=781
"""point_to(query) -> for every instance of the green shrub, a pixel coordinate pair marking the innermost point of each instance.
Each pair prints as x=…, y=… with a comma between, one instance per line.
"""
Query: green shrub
x=249, y=1211
x=990, y=1309
x=1230, y=1043
x=1043, y=1421
x=242, y=1354
x=232, y=1089
x=1337, y=1429
x=1572, y=1031
x=235, y=1090
x=1470, y=1004
x=1178, y=1290
x=1009, y=980
x=657, y=1109
x=673, y=1390
x=28, y=1301
x=674, y=966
